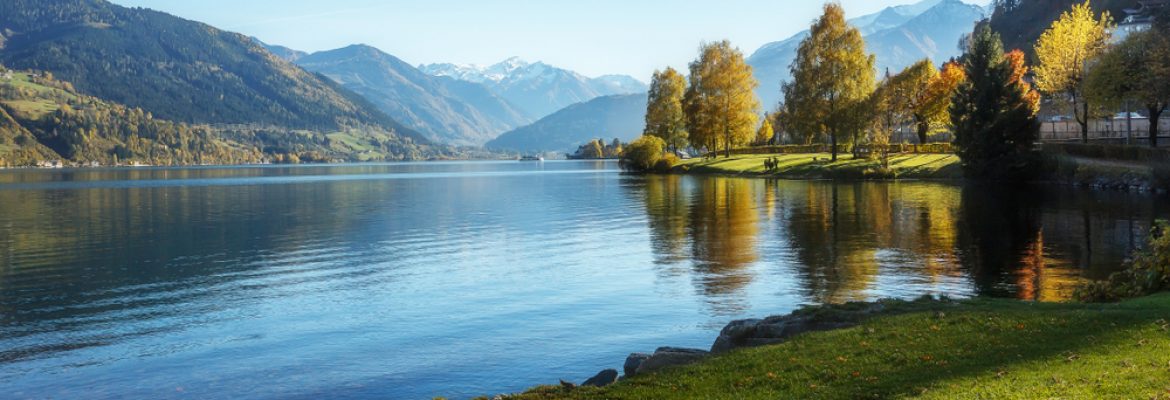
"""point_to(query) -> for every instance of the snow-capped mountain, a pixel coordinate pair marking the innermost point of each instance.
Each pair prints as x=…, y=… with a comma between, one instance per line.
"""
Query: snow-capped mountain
x=899, y=36
x=444, y=109
x=538, y=88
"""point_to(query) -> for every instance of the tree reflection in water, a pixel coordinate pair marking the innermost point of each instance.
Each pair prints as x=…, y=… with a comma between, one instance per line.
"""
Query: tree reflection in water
x=861, y=240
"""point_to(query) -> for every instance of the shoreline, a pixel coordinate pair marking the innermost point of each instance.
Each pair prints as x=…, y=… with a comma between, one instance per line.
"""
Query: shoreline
x=897, y=348
x=1058, y=169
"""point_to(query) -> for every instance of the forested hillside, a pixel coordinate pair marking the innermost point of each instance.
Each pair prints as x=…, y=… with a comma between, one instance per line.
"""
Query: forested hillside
x=43, y=119
x=189, y=72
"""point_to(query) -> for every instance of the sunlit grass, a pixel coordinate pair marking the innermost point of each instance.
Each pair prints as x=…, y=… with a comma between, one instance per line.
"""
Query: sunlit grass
x=981, y=348
x=817, y=165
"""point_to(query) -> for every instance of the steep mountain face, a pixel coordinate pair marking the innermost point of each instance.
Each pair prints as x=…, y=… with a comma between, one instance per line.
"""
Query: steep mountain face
x=179, y=70
x=607, y=117
x=898, y=36
x=446, y=110
x=538, y=88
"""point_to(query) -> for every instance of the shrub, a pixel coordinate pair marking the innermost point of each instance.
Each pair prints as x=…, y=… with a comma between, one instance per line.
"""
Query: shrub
x=643, y=154
x=666, y=163
x=1148, y=273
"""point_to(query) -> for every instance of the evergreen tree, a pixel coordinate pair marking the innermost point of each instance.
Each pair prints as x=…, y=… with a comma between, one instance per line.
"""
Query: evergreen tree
x=720, y=102
x=994, y=111
x=664, y=109
x=833, y=78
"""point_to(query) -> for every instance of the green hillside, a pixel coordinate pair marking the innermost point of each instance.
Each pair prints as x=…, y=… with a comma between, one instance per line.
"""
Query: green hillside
x=191, y=73
x=44, y=119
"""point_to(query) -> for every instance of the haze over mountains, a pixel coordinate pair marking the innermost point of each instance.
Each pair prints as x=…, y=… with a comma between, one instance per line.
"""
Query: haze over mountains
x=538, y=88
x=606, y=117
x=444, y=109
x=898, y=36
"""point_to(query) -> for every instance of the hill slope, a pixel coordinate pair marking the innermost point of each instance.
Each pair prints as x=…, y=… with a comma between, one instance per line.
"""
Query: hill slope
x=178, y=69
x=42, y=119
x=607, y=117
x=444, y=109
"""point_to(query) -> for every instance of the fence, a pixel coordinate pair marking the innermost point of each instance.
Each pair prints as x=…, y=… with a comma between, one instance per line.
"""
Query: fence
x=1111, y=131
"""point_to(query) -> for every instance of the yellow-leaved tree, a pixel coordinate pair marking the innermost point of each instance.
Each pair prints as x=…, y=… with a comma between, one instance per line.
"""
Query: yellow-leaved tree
x=664, y=110
x=832, y=80
x=1065, y=52
x=765, y=133
x=720, y=102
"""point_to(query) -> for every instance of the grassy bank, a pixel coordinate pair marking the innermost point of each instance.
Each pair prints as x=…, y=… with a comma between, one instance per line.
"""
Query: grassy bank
x=818, y=166
x=979, y=348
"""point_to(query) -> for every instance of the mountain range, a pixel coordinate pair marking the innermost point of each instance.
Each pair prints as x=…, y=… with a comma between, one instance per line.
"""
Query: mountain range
x=444, y=109
x=538, y=88
x=192, y=73
x=898, y=37
x=606, y=117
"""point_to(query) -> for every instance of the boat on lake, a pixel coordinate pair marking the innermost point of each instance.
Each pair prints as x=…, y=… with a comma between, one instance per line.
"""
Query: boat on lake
x=531, y=158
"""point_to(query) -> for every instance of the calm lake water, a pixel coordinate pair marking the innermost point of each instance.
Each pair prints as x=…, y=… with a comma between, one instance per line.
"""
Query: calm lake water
x=460, y=279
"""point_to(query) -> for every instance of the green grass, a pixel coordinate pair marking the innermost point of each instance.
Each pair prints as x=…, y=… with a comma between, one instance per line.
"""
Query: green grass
x=32, y=109
x=817, y=166
x=973, y=349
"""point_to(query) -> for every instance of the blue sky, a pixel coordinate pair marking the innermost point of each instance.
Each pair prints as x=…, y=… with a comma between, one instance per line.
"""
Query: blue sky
x=593, y=37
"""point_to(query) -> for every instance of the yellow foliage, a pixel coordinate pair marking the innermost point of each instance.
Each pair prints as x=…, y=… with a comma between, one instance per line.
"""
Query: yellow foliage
x=1064, y=52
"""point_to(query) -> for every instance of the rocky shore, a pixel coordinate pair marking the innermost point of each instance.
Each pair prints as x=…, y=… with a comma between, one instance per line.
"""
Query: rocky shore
x=752, y=333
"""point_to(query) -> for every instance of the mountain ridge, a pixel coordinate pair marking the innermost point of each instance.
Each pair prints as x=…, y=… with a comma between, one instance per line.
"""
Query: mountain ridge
x=444, y=109
x=538, y=88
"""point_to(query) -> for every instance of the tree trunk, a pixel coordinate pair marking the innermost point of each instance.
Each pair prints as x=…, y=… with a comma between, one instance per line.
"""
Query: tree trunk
x=1084, y=121
x=923, y=129
x=833, y=142
x=1155, y=114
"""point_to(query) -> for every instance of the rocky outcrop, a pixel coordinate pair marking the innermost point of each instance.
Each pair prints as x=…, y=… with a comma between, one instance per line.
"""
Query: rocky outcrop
x=602, y=379
x=633, y=362
x=668, y=357
x=778, y=329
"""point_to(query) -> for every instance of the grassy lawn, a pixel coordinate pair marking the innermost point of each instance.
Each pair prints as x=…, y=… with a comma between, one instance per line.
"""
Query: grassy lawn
x=816, y=166
x=973, y=349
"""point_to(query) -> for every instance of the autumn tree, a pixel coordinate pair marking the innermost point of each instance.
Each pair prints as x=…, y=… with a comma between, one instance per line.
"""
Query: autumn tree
x=888, y=104
x=720, y=102
x=994, y=111
x=833, y=78
x=924, y=95
x=1136, y=70
x=664, y=110
x=764, y=134
x=1065, y=51
x=935, y=108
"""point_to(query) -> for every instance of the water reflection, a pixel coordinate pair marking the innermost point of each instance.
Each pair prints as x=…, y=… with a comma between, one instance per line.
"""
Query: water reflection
x=129, y=283
x=857, y=241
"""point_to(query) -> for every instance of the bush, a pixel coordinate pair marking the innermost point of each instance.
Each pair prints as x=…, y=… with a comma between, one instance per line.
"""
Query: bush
x=1149, y=272
x=666, y=163
x=643, y=154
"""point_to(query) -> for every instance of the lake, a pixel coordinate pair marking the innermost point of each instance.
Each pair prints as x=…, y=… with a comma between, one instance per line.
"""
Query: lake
x=406, y=281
